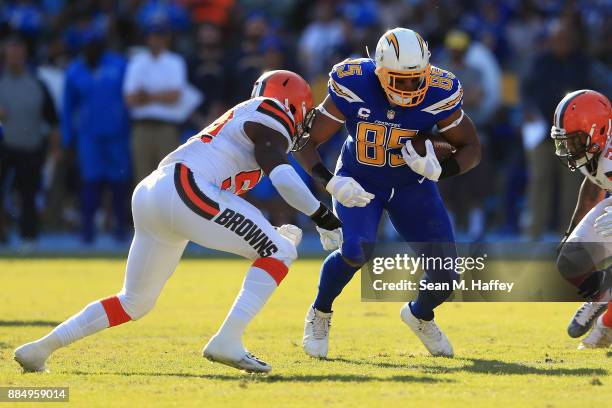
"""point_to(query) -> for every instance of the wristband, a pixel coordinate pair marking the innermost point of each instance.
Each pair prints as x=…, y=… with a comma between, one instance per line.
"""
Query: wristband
x=325, y=219
x=321, y=174
x=450, y=168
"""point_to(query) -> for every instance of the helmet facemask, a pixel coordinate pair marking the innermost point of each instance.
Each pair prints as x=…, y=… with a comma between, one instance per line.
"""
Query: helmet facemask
x=302, y=130
x=389, y=81
x=574, y=149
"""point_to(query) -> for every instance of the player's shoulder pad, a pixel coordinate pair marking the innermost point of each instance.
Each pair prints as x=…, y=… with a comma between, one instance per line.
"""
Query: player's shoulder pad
x=275, y=110
x=445, y=92
x=347, y=78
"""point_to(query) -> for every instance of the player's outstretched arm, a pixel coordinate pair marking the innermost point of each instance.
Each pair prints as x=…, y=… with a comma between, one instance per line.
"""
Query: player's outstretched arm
x=459, y=130
x=271, y=155
x=327, y=122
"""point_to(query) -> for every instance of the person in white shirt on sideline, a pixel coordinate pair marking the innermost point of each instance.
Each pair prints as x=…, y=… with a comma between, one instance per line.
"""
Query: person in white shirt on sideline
x=153, y=85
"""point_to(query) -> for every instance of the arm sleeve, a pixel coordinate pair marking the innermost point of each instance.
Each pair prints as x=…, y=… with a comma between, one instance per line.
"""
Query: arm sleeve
x=293, y=190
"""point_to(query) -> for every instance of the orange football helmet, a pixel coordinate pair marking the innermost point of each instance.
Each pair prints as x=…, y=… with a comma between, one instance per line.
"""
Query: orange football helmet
x=294, y=93
x=582, y=126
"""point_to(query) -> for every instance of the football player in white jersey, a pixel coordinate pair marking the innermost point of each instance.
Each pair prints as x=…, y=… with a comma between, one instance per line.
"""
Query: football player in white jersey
x=194, y=196
x=581, y=132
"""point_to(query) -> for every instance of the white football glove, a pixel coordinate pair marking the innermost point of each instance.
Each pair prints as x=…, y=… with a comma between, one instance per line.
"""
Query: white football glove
x=330, y=240
x=290, y=232
x=348, y=192
x=427, y=166
x=603, y=223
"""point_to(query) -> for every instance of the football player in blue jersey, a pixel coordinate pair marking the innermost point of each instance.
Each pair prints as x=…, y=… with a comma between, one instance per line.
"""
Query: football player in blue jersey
x=384, y=102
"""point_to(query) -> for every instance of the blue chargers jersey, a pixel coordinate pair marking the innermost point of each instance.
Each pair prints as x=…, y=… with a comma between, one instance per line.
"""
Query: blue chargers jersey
x=377, y=129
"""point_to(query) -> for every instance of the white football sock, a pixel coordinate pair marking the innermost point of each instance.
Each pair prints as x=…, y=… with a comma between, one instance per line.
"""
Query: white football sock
x=90, y=320
x=257, y=288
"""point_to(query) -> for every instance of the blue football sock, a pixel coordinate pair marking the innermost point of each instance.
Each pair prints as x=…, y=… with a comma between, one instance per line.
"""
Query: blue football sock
x=427, y=300
x=421, y=309
x=335, y=275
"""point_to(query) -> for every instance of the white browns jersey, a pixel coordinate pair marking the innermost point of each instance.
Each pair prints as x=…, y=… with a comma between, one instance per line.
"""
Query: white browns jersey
x=603, y=175
x=223, y=154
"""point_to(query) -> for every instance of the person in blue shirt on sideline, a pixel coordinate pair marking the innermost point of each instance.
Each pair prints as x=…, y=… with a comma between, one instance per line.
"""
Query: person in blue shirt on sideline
x=384, y=102
x=95, y=123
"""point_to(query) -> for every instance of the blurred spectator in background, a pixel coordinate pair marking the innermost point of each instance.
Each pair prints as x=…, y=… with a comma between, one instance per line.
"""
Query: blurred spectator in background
x=506, y=178
x=215, y=12
x=95, y=121
x=28, y=116
x=273, y=54
x=173, y=14
x=59, y=172
x=454, y=59
x=247, y=61
x=208, y=72
x=494, y=48
x=491, y=30
x=155, y=80
x=23, y=16
x=559, y=69
x=524, y=32
x=52, y=68
x=464, y=195
x=481, y=58
x=319, y=39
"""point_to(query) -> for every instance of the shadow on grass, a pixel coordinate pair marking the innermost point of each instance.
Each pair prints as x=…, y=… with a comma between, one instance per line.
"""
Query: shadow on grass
x=25, y=323
x=483, y=366
x=380, y=364
x=274, y=378
x=478, y=366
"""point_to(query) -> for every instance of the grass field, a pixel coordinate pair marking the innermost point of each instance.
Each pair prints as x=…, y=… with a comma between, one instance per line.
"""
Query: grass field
x=507, y=354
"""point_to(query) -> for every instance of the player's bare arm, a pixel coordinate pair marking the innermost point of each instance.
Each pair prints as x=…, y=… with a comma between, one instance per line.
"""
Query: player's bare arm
x=590, y=194
x=270, y=145
x=270, y=154
x=459, y=130
x=328, y=120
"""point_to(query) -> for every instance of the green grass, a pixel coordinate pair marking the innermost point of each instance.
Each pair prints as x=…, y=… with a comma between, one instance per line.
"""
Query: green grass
x=512, y=354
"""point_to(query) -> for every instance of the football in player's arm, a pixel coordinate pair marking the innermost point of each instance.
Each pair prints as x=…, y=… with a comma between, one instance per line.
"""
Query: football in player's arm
x=458, y=129
x=386, y=103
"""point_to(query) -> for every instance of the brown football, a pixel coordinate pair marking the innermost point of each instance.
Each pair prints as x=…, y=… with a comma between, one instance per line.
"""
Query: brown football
x=443, y=149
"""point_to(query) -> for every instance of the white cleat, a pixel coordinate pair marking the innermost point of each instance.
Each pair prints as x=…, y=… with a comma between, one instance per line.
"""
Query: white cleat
x=234, y=356
x=599, y=337
x=428, y=332
x=316, y=333
x=31, y=358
